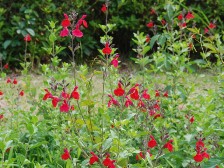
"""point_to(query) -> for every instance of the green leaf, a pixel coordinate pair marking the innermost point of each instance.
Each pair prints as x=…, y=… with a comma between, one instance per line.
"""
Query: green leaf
x=38, y=144
x=162, y=40
x=30, y=31
x=6, y=43
x=153, y=40
x=210, y=46
x=211, y=163
x=52, y=37
x=188, y=137
x=107, y=144
x=194, y=30
x=145, y=50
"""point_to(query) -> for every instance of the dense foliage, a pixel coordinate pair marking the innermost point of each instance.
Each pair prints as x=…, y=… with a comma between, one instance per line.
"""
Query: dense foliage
x=18, y=18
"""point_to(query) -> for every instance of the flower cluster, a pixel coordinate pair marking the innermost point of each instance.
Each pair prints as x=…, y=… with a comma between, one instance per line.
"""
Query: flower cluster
x=75, y=27
x=64, y=98
x=27, y=38
x=201, y=151
x=14, y=82
x=182, y=24
x=108, y=162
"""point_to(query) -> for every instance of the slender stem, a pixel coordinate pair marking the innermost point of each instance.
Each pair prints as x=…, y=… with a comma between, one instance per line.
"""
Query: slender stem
x=25, y=52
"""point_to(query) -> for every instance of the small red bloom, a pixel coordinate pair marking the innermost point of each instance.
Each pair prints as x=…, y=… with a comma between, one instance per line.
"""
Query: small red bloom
x=75, y=94
x=108, y=162
x=183, y=25
x=147, y=38
x=72, y=108
x=140, y=156
x=1, y=93
x=145, y=95
x=169, y=145
x=27, y=38
x=8, y=80
x=107, y=49
x=199, y=145
x=134, y=95
x=206, y=30
x=65, y=95
x=152, y=11
x=152, y=142
x=65, y=23
x=47, y=95
x=15, y=81
x=152, y=112
x=128, y=102
x=191, y=119
x=84, y=23
x=114, y=62
x=1, y=116
x=55, y=100
x=119, y=91
x=64, y=32
x=205, y=155
x=198, y=157
x=180, y=17
x=21, y=93
x=141, y=104
x=157, y=94
x=104, y=8
x=165, y=94
x=211, y=25
x=112, y=101
x=189, y=16
x=150, y=24
x=77, y=33
x=64, y=107
x=163, y=22
x=65, y=155
x=157, y=116
x=6, y=66
x=93, y=159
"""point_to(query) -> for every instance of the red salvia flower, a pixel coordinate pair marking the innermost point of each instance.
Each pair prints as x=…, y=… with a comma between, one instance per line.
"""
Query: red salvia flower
x=107, y=50
x=27, y=38
x=47, y=95
x=152, y=11
x=1, y=93
x=141, y=104
x=145, y=95
x=180, y=17
x=147, y=38
x=114, y=62
x=140, y=156
x=6, y=66
x=134, y=95
x=65, y=95
x=157, y=94
x=206, y=30
x=198, y=157
x=128, y=102
x=77, y=33
x=112, y=101
x=64, y=107
x=75, y=94
x=1, y=116
x=163, y=22
x=21, y=93
x=65, y=155
x=199, y=145
x=152, y=142
x=157, y=116
x=72, y=108
x=169, y=145
x=189, y=16
x=152, y=112
x=8, y=80
x=104, y=8
x=211, y=26
x=119, y=91
x=64, y=32
x=108, y=162
x=165, y=94
x=66, y=22
x=191, y=119
x=205, y=155
x=183, y=25
x=150, y=24
x=93, y=159
x=15, y=81
x=55, y=100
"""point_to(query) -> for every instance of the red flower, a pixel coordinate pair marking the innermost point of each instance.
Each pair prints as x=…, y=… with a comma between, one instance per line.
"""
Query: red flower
x=108, y=162
x=169, y=145
x=112, y=101
x=150, y=24
x=47, y=95
x=163, y=22
x=84, y=23
x=205, y=155
x=147, y=38
x=64, y=107
x=65, y=155
x=75, y=94
x=55, y=100
x=191, y=119
x=199, y=145
x=119, y=91
x=180, y=17
x=157, y=94
x=152, y=112
x=183, y=25
x=107, y=49
x=211, y=26
x=165, y=94
x=21, y=93
x=8, y=80
x=189, y=16
x=140, y=156
x=1, y=116
x=64, y=32
x=157, y=116
x=6, y=66
x=15, y=81
x=1, y=93
x=152, y=12
x=134, y=95
x=93, y=159
x=72, y=108
x=141, y=104
x=65, y=95
x=27, y=38
x=104, y=8
x=198, y=157
x=114, y=62
x=77, y=33
x=145, y=95
x=206, y=30
x=152, y=142
x=128, y=102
